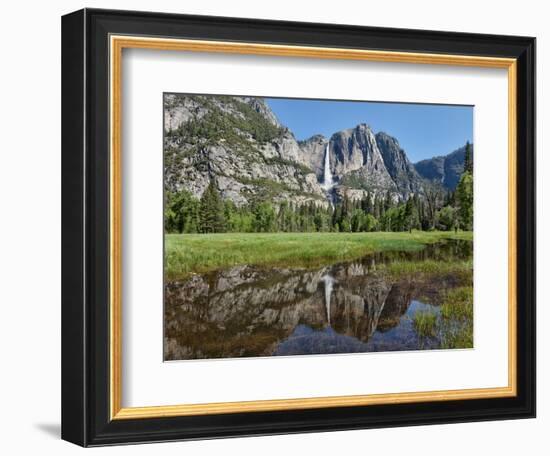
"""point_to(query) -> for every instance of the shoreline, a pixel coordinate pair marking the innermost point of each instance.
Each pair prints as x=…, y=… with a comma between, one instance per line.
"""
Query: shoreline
x=188, y=254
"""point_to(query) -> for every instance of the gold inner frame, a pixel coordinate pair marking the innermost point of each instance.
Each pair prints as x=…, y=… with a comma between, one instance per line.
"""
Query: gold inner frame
x=117, y=44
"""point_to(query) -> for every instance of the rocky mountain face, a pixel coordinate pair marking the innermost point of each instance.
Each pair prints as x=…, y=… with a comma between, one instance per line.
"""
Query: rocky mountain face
x=359, y=163
x=401, y=170
x=445, y=169
x=361, y=160
x=240, y=144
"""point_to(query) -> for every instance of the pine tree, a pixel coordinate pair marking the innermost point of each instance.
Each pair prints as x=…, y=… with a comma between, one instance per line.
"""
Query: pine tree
x=346, y=206
x=465, y=198
x=366, y=204
x=408, y=216
x=388, y=201
x=337, y=217
x=211, y=211
x=181, y=213
x=378, y=207
x=468, y=163
x=264, y=218
x=432, y=199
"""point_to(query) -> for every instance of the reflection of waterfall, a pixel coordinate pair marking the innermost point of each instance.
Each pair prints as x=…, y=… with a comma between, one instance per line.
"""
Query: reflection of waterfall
x=345, y=307
x=327, y=174
x=328, y=281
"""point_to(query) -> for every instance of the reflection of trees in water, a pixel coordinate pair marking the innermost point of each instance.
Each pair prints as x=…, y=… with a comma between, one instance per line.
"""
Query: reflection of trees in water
x=248, y=311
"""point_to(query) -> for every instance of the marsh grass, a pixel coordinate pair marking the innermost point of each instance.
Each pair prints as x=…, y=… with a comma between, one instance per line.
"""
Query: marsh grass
x=425, y=323
x=458, y=304
x=462, y=338
x=186, y=254
x=454, y=324
x=457, y=313
x=461, y=270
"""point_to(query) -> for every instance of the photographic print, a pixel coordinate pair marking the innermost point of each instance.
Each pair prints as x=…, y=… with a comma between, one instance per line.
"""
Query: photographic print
x=303, y=227
x=239, y=192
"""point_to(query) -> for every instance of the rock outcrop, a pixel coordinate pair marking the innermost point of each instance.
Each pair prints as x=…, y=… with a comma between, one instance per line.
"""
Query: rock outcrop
x=238, y=143
x=401, y=170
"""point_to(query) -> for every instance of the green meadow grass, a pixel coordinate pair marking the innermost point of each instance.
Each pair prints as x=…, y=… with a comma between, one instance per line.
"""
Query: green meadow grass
x=198, y=253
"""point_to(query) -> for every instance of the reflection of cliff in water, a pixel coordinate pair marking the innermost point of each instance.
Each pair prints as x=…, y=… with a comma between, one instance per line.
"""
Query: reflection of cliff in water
x=342, y=308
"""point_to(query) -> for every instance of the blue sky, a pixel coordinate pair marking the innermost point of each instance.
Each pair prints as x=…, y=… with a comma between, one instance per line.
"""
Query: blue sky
x=423, y=130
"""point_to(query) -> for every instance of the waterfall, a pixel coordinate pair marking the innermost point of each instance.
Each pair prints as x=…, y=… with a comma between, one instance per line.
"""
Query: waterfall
x=327, y=175
x=328, y=281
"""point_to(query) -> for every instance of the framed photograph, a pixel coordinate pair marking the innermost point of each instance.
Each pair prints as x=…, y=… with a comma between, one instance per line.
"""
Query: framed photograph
x=278, y=227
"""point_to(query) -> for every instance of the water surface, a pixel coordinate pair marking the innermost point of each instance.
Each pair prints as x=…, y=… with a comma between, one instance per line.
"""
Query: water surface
x=347, y=307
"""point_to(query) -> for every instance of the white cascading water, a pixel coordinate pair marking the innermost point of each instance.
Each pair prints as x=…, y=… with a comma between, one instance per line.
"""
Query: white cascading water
x=327, y=176
x=328, y=281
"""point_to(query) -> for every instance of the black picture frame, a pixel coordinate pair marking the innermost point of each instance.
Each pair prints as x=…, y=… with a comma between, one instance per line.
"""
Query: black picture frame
x=85, y=228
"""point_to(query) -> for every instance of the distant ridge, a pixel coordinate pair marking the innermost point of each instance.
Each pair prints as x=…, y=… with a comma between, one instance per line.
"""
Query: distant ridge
x=445, y=169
